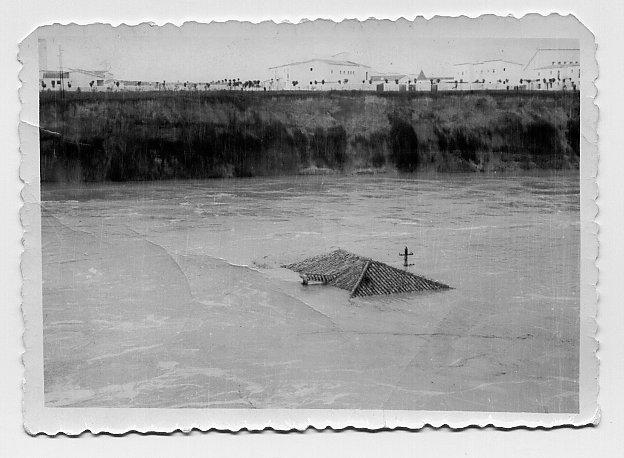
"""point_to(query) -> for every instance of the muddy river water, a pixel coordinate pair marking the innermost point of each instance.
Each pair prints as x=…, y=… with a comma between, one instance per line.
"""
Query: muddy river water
x=170, y=294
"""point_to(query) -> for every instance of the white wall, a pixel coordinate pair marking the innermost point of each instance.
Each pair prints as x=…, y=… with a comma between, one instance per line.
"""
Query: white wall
x=463, y=72
x=556, y=78
x=498, y=74
x=490, y=75
x=310, y=75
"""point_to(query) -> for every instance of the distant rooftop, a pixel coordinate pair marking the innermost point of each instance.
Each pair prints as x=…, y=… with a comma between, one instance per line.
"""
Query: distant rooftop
x=547, y=49
x=96, y=73
x=348, y=63
x=490, y=60
x=387, y=76
x=564, y=65
x=55, y=74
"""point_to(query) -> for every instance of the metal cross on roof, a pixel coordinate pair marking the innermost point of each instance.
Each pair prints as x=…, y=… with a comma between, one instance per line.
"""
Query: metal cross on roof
x=405, y=254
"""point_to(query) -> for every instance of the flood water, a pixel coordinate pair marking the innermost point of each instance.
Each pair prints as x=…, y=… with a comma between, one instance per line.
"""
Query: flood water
x=170, y=294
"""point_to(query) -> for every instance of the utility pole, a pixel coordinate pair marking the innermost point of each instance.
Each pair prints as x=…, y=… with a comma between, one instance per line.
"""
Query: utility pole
x=60, y=56
x=405, y=255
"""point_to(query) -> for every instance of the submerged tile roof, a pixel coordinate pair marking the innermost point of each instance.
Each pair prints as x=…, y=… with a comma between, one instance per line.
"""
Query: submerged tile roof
x=361, y=276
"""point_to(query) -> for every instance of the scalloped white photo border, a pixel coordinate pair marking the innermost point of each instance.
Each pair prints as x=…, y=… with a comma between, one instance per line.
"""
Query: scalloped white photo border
x=73, y=421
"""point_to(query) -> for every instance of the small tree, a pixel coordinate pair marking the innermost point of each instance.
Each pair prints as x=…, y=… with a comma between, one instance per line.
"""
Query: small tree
x=294, y=83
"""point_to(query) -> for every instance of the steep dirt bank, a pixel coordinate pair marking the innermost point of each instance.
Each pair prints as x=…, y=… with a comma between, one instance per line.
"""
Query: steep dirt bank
x=145, y=136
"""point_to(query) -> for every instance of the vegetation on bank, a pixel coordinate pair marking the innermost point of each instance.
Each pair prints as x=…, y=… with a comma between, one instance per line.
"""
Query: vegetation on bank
x=159, y=135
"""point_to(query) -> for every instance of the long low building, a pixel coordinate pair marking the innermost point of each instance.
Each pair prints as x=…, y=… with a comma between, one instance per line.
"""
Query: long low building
x=553, y=69
x=54, y=80
x=74, y=79
x=547, y=69
x=496, y=74
x=319, y=74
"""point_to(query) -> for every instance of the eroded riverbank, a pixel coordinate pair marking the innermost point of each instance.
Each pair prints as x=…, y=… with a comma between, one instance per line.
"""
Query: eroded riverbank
x=152, y=136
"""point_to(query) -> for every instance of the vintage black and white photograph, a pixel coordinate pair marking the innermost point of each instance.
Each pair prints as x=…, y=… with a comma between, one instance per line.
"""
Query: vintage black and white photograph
x=328, y=216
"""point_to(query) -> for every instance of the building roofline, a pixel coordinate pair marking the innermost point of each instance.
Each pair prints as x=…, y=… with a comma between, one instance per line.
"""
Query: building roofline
x=489, y=60
x=327, y=61
x=57, y=74
x=547, y=49
x=546, y=67
x=558, y=49
x=421, y=76
x=389, y=76
x=90, y=72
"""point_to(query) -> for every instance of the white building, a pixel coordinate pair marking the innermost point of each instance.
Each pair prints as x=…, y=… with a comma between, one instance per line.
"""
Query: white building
x=320, y=74
x=463, y=74
x=424, y=83
x=553, y=69
x=443, y=83
x=135, y=85
x=388, y=82
x=494, y=74
x=91, y=80
x=50, y=80
x=74, y=79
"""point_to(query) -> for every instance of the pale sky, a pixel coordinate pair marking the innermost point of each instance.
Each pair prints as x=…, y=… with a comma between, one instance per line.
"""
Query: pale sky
x=205, y=52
